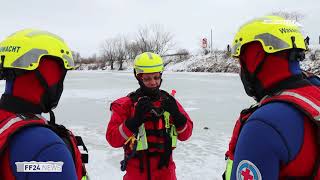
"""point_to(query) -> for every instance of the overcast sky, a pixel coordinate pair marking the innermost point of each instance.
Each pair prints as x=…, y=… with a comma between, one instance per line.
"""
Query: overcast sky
x=84, y=24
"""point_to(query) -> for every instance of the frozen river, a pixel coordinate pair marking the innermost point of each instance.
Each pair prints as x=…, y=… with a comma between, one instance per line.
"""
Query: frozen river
x=212, y=100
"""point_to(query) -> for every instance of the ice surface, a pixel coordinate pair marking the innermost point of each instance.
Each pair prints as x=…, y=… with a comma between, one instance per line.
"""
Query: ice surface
x=212, y=100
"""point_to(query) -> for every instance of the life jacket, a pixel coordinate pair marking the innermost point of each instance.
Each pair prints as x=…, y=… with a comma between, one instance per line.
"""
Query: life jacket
x=14, y=123
x=159, y=141
x=162, y=124
x=302, y=100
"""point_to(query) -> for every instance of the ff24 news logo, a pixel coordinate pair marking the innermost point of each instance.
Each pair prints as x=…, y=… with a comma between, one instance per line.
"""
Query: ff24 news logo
x=34, y=166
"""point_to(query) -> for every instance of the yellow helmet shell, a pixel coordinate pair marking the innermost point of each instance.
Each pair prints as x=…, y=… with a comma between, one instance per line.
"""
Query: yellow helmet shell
x=24, y=49
x=148, y=62
x=273, y=32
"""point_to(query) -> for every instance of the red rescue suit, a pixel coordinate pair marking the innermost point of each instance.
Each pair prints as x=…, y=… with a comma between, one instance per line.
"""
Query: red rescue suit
x=117, y=134
x=307, y=100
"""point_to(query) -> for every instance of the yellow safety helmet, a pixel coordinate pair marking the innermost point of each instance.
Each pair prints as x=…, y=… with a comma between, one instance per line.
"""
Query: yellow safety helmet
x=273, y=32
x=148, y=62
x=24, y=49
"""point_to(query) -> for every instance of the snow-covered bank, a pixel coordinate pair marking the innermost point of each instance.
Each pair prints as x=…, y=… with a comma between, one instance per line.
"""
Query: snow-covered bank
x=219, y=61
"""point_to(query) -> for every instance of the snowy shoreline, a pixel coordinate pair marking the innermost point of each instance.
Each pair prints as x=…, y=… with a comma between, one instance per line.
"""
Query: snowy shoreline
x=219, y=62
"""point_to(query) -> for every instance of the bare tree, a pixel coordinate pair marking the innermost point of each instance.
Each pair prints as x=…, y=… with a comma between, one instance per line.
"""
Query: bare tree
x=120, y=50
x=108, y=49
x=132, y=49
x=76, y=57
x=92, y=59
x=154, y=39
x=296, y=16
x=150, y=38
x=183, y=54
